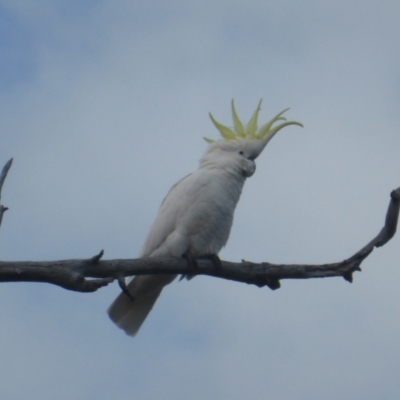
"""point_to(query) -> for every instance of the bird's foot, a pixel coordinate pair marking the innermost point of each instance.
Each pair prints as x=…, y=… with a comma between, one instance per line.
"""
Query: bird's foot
x=192, y=264
x=215, y=260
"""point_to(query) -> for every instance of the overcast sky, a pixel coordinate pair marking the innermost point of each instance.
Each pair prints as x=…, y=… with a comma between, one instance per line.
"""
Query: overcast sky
x=103, y=105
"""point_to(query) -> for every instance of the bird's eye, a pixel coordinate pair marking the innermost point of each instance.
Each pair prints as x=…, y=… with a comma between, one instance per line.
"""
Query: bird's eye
x=241, y=153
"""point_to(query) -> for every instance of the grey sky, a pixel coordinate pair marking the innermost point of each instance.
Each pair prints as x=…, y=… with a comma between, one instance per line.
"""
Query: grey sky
x=103, y=106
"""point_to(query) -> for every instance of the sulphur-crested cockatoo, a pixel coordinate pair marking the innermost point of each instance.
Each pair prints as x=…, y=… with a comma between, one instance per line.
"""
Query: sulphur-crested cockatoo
x=196, y=216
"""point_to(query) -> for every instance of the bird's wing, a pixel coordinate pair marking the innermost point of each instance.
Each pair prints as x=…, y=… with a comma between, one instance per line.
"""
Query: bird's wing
x=178, y=200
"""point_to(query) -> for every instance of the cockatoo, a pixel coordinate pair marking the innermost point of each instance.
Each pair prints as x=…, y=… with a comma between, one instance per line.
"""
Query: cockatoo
x=195, y=218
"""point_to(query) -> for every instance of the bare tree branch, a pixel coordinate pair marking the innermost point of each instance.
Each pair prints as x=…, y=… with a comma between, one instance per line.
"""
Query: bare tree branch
x=3, y=177
x=72, y=274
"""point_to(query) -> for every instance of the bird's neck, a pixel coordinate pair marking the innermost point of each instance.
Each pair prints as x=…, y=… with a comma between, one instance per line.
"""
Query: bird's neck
x=221, y=164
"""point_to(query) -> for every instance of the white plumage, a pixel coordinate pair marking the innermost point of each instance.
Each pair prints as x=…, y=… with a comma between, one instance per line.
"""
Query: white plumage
x=196, y=215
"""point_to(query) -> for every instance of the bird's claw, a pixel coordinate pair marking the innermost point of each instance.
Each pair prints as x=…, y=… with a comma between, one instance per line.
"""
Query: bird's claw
x=192, y=263
x=215, y=260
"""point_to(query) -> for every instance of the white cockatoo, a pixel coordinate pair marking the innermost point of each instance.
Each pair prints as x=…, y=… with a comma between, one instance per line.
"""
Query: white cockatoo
x=196, y=216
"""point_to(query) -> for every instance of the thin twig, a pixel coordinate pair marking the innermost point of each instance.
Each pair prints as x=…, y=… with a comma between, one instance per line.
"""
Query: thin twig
x=3, y=177
x=4, y=173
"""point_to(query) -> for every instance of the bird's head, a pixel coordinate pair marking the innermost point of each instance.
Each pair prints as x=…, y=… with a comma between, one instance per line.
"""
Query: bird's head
x=244, y=143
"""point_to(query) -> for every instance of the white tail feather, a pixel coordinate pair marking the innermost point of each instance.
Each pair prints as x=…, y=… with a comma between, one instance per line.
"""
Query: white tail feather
x=129, y=315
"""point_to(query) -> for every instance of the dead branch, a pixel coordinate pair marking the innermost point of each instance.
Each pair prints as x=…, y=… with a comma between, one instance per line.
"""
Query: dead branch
x=74, y=274
x=3, y=177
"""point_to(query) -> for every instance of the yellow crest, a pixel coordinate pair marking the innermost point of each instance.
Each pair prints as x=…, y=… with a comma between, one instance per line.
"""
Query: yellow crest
x=251, y=130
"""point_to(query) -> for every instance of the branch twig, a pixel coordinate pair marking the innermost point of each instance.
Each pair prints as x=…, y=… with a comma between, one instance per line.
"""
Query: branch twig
x=3, y=177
